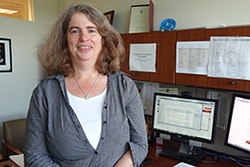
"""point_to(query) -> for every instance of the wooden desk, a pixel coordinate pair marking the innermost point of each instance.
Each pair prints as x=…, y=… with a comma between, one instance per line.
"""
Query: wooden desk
x=8, y=162
x=161, y=161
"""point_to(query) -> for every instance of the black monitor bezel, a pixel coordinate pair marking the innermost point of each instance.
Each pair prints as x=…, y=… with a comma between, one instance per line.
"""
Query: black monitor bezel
x=226, y=143
x=182, y=137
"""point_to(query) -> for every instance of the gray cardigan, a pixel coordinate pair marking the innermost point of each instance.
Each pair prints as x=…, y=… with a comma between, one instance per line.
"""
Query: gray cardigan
x=55, y=137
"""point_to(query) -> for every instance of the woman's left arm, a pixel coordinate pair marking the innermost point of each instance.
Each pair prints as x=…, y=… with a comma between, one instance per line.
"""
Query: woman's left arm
x=138, y=144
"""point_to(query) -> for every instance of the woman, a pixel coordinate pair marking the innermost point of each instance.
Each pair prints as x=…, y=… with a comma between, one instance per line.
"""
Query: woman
x=86, y=113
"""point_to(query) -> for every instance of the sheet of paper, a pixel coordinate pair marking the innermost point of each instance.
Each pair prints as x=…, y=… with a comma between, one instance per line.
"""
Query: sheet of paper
x=221, y=115
x=183, y=164
x=142, y=57
x=147, y=93
x=229, y=57
x=192, y=57
x=18, y=159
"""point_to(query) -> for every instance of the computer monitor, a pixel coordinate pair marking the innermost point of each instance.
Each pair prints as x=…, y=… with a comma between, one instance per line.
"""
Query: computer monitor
x=187, y=120
x=238, y=128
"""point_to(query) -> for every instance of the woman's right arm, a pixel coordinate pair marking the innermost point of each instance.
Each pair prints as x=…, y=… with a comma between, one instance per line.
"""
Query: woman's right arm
x=35, y=150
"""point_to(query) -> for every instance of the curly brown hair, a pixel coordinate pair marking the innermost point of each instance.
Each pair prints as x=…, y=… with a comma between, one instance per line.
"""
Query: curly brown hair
x=54, y=54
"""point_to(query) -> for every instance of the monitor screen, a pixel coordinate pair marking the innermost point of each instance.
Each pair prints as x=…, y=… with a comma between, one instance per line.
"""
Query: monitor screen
x=238, y=128
x=187, y=118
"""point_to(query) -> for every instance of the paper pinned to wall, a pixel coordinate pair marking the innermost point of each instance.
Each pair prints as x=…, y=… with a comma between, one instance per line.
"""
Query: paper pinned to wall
x=147, y=93
x=192, y=57
x=142, y=57
x=221, y=115
x=229, y=57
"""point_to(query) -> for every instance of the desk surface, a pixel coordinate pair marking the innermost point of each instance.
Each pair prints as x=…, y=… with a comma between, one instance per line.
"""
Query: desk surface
x=161, y=161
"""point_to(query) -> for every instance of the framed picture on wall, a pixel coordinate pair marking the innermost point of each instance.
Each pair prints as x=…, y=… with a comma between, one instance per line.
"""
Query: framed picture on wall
x=5, y=55
x=141, y=18
x=110, y=16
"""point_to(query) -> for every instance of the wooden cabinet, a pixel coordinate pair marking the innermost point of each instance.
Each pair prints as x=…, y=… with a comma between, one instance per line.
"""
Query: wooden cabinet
x=165, y=56
x=204, y=80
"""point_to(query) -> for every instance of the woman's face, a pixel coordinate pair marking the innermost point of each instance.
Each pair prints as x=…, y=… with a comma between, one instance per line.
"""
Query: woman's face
x=84, y=41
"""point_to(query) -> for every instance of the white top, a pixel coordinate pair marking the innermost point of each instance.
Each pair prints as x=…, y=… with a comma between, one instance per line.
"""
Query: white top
x=89, y=113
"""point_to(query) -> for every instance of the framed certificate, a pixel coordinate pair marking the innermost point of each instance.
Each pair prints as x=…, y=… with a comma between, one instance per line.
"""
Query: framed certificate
x=141, y=18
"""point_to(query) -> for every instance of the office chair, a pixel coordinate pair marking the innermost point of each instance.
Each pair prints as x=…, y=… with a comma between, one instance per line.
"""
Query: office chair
x=13, y=137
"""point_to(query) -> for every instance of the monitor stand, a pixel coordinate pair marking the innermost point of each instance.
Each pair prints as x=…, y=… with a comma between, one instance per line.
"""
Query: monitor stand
x=184, y=154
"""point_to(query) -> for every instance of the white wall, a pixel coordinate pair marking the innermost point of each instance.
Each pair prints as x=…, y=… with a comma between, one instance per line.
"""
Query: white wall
x=187, y=13
x=16, y=86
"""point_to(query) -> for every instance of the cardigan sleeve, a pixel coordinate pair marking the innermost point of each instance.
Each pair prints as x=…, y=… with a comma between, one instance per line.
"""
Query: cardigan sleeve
x=138, y=137
x=35, y=150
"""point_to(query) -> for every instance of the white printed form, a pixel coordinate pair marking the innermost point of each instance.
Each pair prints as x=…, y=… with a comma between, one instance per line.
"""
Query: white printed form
x=147, y=93
x=229, y=57
x=192, y=57
x=142, y=57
